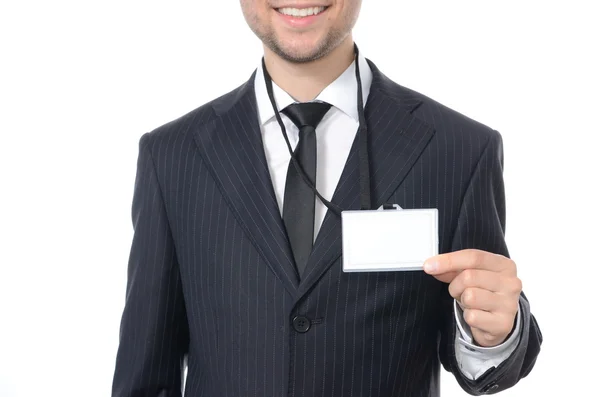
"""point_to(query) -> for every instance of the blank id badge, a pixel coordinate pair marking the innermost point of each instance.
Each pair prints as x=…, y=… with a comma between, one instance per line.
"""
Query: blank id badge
x=388, y=239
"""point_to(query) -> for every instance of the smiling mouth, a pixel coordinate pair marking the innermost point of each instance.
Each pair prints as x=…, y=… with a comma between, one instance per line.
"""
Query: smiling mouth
x=301, y=12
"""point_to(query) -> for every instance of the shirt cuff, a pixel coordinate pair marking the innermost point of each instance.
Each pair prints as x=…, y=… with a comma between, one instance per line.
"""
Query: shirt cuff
x=473, y=360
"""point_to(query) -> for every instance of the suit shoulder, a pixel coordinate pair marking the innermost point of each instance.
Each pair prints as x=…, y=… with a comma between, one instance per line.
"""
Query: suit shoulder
x=450, y=122
x=191, y=121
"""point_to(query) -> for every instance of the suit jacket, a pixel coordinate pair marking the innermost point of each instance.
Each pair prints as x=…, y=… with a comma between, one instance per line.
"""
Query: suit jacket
x=212, y=281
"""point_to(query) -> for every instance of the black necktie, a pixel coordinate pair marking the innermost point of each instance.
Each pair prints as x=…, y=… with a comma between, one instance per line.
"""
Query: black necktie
x=299, y=198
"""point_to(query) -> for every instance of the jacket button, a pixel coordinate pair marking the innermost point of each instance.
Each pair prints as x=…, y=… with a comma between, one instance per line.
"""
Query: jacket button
x=491, y=388
x=301, y=324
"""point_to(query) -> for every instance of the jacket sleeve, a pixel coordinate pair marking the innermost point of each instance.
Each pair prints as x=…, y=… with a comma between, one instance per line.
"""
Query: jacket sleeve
x=153, y=339
x=481, y=225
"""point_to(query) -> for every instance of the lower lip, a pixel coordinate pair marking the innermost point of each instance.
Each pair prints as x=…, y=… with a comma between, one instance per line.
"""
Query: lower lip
x=300, y=22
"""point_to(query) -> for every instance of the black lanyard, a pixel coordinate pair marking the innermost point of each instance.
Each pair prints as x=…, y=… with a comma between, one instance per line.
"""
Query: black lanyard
x=363, y=150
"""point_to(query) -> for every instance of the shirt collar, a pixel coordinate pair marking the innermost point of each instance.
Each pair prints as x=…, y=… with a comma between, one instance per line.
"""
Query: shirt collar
x=340, y=94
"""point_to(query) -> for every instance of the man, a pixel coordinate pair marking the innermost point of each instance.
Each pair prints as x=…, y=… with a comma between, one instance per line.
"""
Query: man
x=220, y=275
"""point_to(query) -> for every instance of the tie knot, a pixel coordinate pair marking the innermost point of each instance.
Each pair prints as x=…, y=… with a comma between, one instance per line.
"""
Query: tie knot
x=306, y=113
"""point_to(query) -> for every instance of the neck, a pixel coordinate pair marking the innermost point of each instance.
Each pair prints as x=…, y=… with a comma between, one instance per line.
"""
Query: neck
x=304, y=81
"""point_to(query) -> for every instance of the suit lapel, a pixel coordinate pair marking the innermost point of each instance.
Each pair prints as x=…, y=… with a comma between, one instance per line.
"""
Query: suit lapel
x=232, y=148
x=396, y=139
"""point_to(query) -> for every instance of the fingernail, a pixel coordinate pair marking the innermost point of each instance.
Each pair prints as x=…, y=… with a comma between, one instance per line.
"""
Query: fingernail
x=430, y=267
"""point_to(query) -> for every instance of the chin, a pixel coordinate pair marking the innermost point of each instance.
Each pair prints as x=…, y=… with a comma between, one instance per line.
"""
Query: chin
x=299, y=51
x=299, y=55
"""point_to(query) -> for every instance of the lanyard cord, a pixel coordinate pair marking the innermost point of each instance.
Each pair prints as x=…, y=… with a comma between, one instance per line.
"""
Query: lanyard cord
x=363, y=145
x=363, y=152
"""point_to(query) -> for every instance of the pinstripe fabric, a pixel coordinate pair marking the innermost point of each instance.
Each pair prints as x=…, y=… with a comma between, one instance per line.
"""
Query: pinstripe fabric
x=211, y=275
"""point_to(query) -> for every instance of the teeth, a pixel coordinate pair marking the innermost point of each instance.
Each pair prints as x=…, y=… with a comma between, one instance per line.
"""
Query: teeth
x=301, y=12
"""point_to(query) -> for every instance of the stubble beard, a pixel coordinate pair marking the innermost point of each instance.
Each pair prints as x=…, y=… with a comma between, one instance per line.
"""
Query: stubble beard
x=332, y=40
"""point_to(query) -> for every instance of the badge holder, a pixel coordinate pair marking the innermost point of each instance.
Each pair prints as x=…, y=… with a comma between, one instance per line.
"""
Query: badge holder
x=388, y=239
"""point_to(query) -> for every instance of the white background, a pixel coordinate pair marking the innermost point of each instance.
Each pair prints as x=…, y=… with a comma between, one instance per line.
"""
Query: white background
x=81, y=81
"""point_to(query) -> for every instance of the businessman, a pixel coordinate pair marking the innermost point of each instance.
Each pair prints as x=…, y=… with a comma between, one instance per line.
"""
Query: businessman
x=235, y=269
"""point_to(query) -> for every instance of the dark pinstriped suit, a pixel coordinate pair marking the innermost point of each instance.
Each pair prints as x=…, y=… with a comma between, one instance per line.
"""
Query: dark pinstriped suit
x=211, y=274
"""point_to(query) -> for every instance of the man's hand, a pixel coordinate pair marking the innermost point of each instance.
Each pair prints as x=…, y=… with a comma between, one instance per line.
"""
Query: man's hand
x=486, y=286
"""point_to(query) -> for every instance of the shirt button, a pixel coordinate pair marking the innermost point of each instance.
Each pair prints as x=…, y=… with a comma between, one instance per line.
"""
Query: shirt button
x=301, y=324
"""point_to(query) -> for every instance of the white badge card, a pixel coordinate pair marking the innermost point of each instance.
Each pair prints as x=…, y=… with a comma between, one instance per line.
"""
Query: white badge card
x=388, y=240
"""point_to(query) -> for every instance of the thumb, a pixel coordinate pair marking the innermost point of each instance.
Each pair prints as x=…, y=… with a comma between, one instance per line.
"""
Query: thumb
x=431, y=267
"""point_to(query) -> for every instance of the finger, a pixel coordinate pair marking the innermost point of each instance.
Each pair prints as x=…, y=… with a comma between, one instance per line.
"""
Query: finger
x=481, y=299
x=484, y=279
x=485, y=339
x=490, y=322
x=446, y=277
x=467, y=259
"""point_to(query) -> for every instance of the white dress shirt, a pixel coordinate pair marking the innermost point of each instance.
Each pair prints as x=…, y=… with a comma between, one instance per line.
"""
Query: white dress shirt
x=335, y=134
